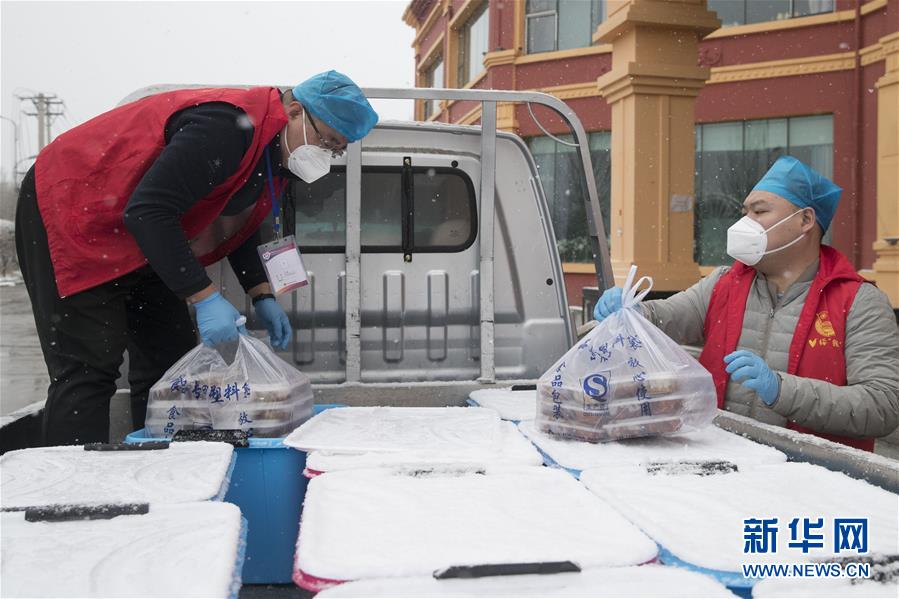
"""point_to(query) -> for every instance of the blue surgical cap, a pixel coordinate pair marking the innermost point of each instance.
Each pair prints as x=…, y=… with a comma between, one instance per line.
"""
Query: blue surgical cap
x=803, y=186
x=332, y=97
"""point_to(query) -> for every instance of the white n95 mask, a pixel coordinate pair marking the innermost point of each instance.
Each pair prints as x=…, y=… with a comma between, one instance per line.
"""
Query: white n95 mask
x=747, y=240
x=308, y=162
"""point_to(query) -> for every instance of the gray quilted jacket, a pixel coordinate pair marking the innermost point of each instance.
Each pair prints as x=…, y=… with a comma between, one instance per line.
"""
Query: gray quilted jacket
x=868, y=406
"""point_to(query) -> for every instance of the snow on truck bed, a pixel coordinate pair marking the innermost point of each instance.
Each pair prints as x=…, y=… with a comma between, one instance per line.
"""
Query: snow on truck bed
x=511, y=405
x=514, y=451
x=709, y=444
x=700, y=518
x=183, y=550
x=375, y=523
x=70, y=475
x=630, y=581
x=462, y=431
x=883, y=582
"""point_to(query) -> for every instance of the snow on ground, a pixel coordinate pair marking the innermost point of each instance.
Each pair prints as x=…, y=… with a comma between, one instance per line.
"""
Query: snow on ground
x=511, y=405
x=11, y=279
x=463, y=431
x=514, y=450
x=185, y=550
x=700, y=519
x=633, y=581
x=28, y=410
x=68, y=475
x=376, y=523
x=709, y=444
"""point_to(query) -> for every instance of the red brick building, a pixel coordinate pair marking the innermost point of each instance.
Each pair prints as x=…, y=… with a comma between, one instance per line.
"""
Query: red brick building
x=817, y=79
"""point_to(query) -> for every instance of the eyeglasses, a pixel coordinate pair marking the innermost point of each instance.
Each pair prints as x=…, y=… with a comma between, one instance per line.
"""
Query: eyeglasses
x=326, y=143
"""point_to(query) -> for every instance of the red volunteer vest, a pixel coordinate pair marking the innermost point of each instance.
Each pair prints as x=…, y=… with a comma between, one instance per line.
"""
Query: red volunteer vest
x=86, y=176
x=816, y=350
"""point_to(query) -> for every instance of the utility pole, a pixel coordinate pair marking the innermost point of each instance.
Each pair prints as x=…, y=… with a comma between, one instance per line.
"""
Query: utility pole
x=15, y=149
x=45, y=106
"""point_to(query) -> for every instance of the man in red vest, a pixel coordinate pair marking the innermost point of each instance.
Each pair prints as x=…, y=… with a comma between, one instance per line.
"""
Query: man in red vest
x=119, y=216
x=792, y=335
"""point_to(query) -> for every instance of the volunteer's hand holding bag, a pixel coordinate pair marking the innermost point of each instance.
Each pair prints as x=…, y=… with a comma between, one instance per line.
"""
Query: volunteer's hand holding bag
x=252, y=390
x=625, y=379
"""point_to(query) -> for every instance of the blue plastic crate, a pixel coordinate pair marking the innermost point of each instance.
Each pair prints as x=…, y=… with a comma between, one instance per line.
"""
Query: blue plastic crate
x=268, y=486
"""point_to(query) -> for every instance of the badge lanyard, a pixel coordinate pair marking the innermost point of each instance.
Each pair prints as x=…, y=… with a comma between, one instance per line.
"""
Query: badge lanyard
x=276, y=207
x=280, y=258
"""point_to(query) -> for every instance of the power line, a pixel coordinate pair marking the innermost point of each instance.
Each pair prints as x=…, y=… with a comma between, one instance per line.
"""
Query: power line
x=46, y=108
x=65, y=113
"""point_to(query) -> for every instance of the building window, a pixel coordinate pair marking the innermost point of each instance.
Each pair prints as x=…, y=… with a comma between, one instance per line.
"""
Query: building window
x=742, y=12
x=560, y=171
x=472, y=47
x=732, y=157
x=562, y=24
x=433, y=77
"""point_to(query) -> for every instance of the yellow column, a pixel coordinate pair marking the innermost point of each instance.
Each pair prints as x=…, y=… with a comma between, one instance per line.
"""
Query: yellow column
x=505, y=117
x=505, y=111
x=886, y=245
x=652, y=89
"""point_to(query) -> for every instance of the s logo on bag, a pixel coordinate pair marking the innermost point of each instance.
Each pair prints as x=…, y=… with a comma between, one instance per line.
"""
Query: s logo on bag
x=596, y=386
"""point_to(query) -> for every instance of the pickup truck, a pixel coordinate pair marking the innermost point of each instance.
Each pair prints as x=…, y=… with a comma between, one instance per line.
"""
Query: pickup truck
x=434, y=271
x=433, y=267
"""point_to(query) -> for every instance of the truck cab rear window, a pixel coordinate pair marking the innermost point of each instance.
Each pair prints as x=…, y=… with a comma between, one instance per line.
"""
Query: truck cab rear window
x=444, y=211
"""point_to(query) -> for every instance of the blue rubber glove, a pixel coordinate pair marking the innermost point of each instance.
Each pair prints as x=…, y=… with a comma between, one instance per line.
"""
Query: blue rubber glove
x=216, y=319
x=750, y=370
x=276, y=321
x=609, y=302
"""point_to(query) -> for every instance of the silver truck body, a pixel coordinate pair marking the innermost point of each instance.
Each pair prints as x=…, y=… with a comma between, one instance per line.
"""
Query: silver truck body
x=420, y=318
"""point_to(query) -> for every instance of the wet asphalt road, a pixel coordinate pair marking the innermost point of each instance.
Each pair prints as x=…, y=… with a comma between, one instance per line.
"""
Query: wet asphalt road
x=23, y=375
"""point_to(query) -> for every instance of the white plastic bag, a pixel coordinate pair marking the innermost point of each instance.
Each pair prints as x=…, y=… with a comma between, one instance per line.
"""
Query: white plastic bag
x=625, y=379
x=257, y=392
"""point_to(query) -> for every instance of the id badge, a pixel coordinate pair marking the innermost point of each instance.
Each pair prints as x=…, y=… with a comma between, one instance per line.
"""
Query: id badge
x=283, y=264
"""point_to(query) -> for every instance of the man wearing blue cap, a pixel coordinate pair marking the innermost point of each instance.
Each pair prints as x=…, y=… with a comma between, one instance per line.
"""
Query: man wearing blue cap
x=119, y=216
x=792, y=335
